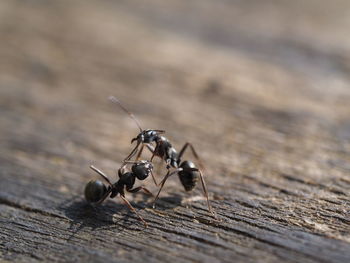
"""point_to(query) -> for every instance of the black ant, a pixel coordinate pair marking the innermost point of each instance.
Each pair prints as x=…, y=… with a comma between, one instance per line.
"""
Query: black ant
x=97, y=192
x=186, y=170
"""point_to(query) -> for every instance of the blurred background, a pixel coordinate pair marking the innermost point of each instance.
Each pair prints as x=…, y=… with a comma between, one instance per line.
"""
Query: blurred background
x=245, y=81
x=227, y=75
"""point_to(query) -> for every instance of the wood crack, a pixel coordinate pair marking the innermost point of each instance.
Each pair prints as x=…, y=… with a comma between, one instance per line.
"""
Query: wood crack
x=30, y=209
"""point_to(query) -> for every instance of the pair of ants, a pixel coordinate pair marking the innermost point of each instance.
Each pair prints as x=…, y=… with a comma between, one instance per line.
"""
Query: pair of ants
x=97, y=192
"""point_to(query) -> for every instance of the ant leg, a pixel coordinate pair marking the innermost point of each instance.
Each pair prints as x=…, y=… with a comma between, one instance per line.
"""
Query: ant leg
x=133, y=152
x=106, y=178
x=162, y=184
x=151, y=149
x=135, y=190
x=102, y=174
x=133, y=209
x=193, y=152
x=206, y=194
x=139, y=153
x=153, y=155
x=160, y=189
x=154, y=179
x=105, y=196
x=151, y=171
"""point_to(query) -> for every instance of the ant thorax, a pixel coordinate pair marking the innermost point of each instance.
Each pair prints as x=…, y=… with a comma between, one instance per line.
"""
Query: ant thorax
x=166, y=151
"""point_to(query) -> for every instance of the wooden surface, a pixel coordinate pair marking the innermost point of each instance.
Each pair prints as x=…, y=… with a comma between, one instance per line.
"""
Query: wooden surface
x=261, y=88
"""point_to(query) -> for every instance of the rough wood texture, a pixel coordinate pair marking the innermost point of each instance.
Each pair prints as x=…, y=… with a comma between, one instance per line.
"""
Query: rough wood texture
x=261, y=88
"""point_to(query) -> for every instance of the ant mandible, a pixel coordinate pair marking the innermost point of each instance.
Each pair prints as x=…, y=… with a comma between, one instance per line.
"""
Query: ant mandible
x=97, y=192
x=186, y=170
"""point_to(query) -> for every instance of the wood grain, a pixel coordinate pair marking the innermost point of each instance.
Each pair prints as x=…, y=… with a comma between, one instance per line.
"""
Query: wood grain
x=261, y=88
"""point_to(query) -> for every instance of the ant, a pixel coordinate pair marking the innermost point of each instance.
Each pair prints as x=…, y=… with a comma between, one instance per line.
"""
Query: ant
x=186, y=170
x=97, y=192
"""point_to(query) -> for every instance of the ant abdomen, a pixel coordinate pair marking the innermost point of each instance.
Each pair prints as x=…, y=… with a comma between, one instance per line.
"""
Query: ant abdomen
x=188, y=178
x=94, y=191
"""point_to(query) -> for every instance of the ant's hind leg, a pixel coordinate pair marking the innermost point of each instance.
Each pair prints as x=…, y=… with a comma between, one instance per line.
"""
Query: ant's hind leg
x=137, y=189
x=105, y=196
x=107, y=180
x=206, y=193
x=184, y=148
x=133, y=209
x=102, y=174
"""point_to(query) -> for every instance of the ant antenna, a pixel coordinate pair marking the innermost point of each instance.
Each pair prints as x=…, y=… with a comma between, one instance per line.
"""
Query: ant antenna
x=102, y=174
x=116, y=101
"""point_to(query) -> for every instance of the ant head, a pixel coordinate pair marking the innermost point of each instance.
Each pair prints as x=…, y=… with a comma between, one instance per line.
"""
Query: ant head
x=94, y=191
x=142, y=169
x=147, y=136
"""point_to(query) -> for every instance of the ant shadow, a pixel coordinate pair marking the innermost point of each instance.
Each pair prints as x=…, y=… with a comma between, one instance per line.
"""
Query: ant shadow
x=177, y=200
x=169, y=202
x=109, y=215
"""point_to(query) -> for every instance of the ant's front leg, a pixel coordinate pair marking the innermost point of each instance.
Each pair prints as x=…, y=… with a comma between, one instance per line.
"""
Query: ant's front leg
x=133, y=152
x=149, y=147
x=139, y=153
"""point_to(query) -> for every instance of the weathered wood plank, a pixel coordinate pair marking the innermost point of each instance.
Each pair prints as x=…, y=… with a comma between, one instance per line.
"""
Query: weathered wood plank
x=264, y=101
